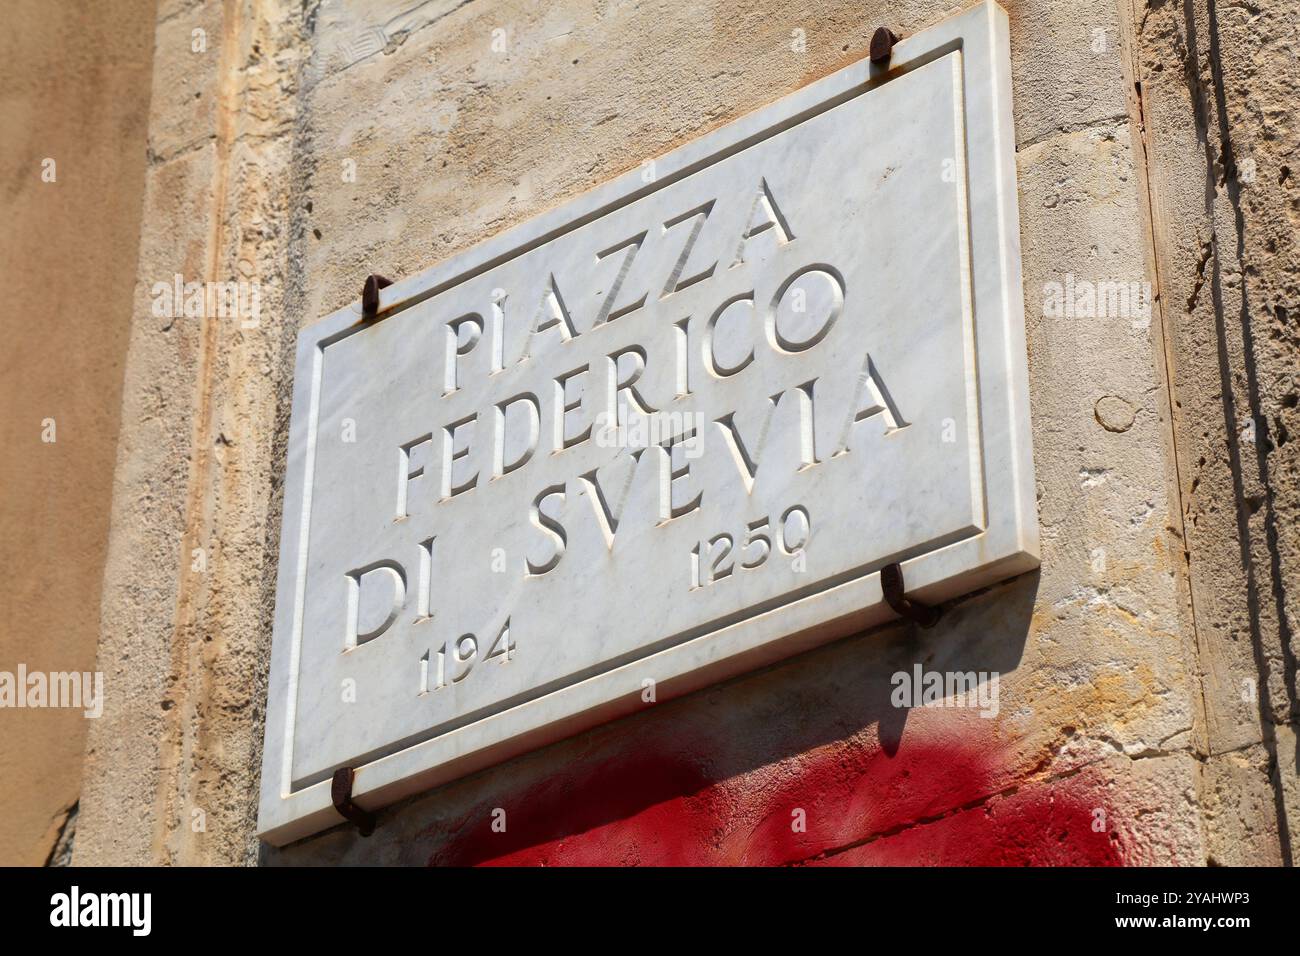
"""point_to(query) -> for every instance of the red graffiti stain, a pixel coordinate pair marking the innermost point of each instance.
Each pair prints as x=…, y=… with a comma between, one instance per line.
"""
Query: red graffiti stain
x=850, y=803
x=1047, y=825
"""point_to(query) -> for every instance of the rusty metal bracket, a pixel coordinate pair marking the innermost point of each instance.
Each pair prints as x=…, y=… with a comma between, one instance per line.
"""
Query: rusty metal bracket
x=341, y=792
x=370, y=296
x=891, y=582
x=882, y=45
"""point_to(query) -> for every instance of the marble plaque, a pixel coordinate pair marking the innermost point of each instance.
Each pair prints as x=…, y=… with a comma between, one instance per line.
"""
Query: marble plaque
x=665, y=433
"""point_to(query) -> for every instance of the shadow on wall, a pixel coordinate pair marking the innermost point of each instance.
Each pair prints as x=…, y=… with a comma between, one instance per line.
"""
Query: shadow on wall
x=807, y=761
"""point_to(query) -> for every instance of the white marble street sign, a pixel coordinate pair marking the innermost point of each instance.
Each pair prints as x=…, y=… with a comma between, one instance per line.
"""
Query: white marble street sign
x=667, y=432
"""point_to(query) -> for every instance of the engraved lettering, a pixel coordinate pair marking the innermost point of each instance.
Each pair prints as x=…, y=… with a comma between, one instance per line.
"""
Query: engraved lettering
x=507, y=455
x=363, y=586
x=631, y=359
x=676, y=467
x=550, y=527
x=792, y=326
x=763, y=215
x=881, y=403
x=734, y=307
x=606, y=516
x=454, y=451
x=747, y=461
x=608, y=312
x=405, y=473
x=462, y=335
x=551, y=314
x=675, y=281
x=564, y=405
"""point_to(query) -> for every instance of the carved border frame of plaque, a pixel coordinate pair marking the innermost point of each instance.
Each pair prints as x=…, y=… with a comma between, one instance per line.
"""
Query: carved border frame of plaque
x=1008, y=547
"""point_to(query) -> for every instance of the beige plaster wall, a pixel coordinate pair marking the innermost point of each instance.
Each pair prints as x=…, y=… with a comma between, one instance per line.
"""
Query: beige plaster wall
x=74, y=88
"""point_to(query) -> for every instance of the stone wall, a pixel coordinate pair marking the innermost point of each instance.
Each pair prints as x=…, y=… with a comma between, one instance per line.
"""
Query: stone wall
x=1129, y=730
x=1220, y=140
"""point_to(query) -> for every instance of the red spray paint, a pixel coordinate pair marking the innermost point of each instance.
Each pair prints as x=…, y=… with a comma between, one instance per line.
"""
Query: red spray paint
x=935, y=799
